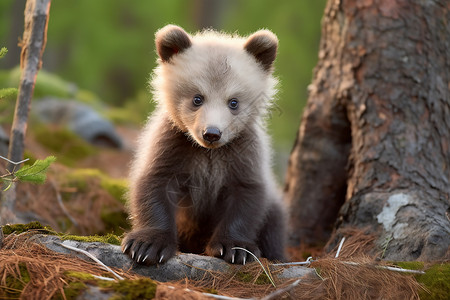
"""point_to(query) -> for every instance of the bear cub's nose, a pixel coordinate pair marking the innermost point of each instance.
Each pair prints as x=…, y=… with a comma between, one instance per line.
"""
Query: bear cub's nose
x=212, y=134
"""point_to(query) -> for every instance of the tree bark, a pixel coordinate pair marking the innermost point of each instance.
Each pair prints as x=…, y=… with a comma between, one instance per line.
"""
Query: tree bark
x=33, y=44
x=375, y=136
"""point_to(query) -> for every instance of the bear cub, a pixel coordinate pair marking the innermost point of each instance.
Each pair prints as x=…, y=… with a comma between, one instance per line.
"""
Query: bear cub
x=201, y=178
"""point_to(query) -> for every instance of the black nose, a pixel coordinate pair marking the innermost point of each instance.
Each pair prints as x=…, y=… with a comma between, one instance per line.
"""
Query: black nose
x=212, y=134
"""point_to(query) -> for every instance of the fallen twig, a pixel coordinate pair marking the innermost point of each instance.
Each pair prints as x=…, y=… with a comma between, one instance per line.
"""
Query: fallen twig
x=61, y=205
x=93, y=258
x=308, y=261
x=396, y=269
x=340, y=247
x=278, y=292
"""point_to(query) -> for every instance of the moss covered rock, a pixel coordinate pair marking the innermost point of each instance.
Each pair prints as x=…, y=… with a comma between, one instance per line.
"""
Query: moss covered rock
x=64, y=144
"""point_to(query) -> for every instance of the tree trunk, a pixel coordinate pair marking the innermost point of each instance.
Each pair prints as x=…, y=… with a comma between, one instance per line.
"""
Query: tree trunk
x=375, y=136
x=33, y=44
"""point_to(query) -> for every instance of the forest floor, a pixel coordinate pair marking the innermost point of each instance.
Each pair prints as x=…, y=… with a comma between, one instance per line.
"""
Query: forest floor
x=84, y=195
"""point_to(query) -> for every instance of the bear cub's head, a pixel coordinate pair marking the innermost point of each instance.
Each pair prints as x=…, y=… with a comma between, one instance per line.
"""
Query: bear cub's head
x=213, y=85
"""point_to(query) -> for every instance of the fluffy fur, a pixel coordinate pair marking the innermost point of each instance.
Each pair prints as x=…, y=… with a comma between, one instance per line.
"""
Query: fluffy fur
x=189, y=191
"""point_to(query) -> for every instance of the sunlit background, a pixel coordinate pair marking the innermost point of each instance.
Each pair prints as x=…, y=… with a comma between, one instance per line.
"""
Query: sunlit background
x=102, y=52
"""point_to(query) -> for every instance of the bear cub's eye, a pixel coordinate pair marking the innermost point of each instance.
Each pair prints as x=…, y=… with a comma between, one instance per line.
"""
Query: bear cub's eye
x=233, y=104
x=197, y=100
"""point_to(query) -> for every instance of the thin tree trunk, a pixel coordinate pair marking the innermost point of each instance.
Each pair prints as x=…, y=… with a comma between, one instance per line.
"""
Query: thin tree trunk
x=33, y=44
x=377, y=126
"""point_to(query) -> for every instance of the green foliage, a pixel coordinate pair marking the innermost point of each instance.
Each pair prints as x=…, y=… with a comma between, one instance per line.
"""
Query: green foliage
x=92, y=53
x=3, y=52
x=37, y=172
x=8, y=92
x=5, y=93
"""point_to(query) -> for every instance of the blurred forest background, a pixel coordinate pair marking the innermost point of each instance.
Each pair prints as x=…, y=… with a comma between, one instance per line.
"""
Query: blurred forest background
x=97, y=62
x=104, y=50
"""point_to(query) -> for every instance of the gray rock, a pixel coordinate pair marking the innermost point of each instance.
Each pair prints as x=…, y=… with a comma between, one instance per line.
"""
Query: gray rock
x=94, y=292
x=80, y=118
x=181, y=266
x=295, y=272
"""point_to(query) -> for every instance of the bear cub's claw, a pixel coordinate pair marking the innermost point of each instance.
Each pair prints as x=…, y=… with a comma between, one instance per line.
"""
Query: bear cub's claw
x=149, y=247
x=226, y=250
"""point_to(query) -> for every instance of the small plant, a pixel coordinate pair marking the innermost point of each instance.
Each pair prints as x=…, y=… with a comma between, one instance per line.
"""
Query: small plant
x=35, y=173
x=4, y=93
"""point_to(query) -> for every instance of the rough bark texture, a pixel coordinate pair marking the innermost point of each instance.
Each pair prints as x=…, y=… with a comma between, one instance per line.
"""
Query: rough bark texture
x=33, y=44
x=375, y=135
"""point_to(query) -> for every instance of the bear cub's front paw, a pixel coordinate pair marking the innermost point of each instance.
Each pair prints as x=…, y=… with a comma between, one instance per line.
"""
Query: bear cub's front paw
x=146, y=246
x=223, y=248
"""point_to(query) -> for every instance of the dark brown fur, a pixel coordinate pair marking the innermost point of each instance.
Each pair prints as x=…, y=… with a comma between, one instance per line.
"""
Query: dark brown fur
x=236, y=218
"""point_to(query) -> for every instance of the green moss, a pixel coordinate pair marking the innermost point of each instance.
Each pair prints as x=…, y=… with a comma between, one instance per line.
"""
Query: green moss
x=410, y=265
x=249, y=278
x=15, y=284
x=79, y=275
x=244, y=277
x=107, y=239
x=117, y=188
x=19, y=228
x=73, y=290
x=262, y=279
x=143, y=288
x=47, y=84
x=211, y=291
x=115, y=221
x=76, y=283
x=63, y=143
x=437, y=282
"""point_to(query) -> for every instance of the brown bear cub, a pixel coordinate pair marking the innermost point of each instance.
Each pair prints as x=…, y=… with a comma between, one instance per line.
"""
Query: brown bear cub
x=201, y=180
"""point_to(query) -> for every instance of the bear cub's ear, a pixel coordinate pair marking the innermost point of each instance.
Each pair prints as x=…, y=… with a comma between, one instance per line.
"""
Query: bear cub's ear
x=263, y=46
x=171, y=40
